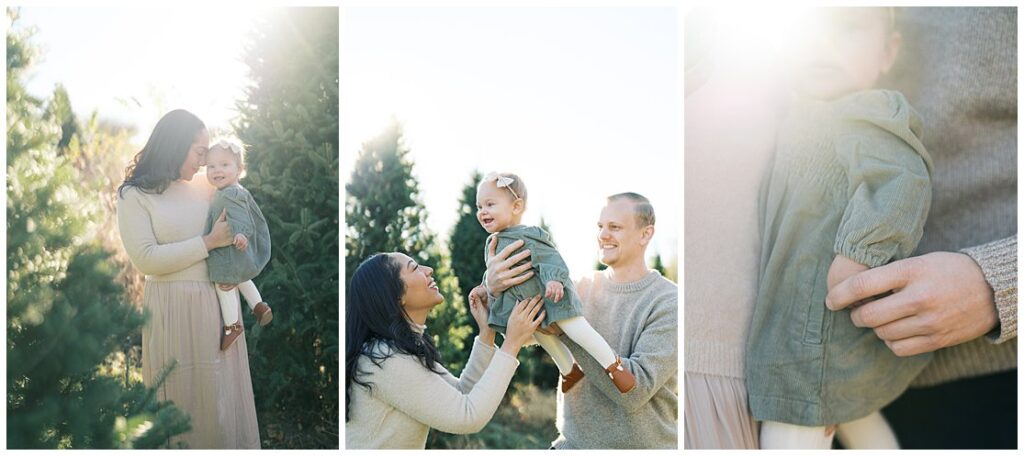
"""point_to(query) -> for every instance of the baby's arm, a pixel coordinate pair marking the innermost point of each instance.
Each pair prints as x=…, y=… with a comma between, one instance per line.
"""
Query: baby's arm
x=889, y=185
x=239, y=218
x=554, y=290
x=550, y=266
x=241, y=242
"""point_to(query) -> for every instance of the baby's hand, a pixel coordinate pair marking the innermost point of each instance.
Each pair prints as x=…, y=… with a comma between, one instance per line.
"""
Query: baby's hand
x=841, y=269
x=554, y=291
x=241, y=242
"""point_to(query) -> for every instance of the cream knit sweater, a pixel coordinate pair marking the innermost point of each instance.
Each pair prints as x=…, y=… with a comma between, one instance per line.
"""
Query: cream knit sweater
x=163, y=234
x=406, y=399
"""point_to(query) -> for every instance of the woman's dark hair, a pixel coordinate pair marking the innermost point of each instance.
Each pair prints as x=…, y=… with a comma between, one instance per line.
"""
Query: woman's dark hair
x=159, y=162
x=374, y=315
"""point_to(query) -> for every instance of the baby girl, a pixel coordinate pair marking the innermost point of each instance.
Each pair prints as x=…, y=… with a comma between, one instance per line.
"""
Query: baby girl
x=500, y=203
x=849, y=189
x=236, y=266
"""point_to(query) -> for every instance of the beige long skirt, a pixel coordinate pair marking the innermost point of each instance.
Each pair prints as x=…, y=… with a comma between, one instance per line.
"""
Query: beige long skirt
x=717, y=415
x=212, y=386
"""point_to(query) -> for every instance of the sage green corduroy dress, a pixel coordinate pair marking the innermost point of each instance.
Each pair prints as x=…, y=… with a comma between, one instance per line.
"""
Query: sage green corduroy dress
x=849, y=177
x=228, y=264
x=547, y=266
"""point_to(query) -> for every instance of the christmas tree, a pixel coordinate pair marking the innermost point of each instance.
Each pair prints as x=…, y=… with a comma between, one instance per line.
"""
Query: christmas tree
x=67, y=317
x=384, y=214
x=289, y=122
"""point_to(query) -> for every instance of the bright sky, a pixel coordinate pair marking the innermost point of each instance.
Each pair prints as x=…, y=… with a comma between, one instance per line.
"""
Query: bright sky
x=582, y=103
x=134, y=64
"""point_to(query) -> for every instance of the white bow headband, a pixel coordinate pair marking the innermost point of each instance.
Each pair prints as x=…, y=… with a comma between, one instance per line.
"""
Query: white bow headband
x=501, y=182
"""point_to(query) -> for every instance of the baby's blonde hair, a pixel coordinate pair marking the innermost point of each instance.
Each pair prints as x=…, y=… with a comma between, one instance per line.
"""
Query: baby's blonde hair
x=232, y=145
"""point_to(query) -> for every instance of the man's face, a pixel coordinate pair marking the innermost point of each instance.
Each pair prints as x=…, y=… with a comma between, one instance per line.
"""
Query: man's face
x=619, y=239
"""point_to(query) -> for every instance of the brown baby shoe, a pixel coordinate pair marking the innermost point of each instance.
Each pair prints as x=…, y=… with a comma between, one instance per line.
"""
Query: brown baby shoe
x=574, y=376
x=623, y=380
x=263, y=313
x=231, y=332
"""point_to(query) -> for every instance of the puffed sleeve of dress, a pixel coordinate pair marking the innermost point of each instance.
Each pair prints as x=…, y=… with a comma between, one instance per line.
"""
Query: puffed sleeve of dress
x=889, y=178
x=545, y=257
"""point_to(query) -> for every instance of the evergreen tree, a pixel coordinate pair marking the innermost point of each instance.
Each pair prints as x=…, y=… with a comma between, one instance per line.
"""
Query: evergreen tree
x=466, y=242
x=66, y=315
x=289, y=121
x=383, y=213
x=658, y=266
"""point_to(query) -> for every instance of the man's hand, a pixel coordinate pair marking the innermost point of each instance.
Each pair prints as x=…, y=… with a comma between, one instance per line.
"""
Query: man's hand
x=500, y=273
x=939, y=300
x=552, y=330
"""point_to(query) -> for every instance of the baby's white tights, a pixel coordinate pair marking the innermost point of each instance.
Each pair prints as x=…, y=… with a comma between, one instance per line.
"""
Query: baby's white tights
x=229, y=304
x=580, y=331
x=870, y=432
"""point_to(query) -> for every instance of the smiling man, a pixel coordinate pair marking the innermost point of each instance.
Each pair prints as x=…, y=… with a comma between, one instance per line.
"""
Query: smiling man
x=636, y=310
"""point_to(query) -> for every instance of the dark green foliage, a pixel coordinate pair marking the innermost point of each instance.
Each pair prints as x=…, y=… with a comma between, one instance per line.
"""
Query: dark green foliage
x=658, y=266
x=467, y=239
x=384, y=214
x=289, y=122
x=66, y=315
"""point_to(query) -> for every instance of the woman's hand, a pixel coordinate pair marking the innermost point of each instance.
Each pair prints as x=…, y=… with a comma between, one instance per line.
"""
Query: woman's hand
x=500, y=273
x=480, y=309
x=525, y=319
x=220, y=234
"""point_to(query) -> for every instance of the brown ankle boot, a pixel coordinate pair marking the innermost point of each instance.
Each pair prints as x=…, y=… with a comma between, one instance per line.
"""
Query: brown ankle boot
x=623, y=380
x=574, y=376
x=263, y=313
x=231, y=332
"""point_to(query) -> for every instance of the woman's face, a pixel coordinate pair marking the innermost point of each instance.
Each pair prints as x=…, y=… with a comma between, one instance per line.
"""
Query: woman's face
x=196, y=156
x=421, y=292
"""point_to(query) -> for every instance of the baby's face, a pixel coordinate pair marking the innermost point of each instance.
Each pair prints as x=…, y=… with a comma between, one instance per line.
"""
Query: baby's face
x=222, y=167
x=843, y=50
x=495, y=207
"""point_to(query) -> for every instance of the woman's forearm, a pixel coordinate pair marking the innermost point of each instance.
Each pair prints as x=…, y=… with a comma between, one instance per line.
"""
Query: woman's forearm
x=511, y=348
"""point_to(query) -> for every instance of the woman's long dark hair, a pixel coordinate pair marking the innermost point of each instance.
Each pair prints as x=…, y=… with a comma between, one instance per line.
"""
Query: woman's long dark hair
x=373, y=313
x=159, y=162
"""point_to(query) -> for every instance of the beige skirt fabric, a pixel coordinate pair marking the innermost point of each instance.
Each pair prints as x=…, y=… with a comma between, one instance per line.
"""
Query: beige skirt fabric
x=716, y=413
x=212, y=386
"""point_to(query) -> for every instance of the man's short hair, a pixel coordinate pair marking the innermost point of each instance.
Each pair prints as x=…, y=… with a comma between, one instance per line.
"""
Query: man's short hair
x=641, y=206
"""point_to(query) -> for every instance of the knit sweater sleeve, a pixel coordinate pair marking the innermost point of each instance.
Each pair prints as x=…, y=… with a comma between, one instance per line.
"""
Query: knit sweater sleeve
x=479, y=358
x=998, y=262
x=654, y=360
x=403, y=383
x=139, y=239
x=889, y=183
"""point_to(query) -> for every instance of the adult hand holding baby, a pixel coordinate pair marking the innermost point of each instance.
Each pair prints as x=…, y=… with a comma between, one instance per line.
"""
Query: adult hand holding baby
x=479, y=308
x=500, y=273
x=220, y=234
x=938, y=300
